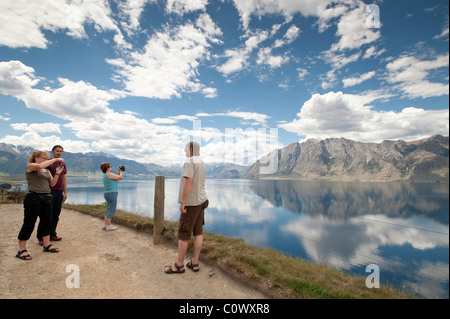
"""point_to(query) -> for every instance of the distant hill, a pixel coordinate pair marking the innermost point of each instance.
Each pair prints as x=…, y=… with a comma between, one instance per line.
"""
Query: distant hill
x=343, y=159
x=329, y=159
x=14, y=159
x=218, y=170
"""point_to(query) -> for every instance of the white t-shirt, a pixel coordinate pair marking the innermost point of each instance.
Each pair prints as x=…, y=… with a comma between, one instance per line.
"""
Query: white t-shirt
x=194, y=168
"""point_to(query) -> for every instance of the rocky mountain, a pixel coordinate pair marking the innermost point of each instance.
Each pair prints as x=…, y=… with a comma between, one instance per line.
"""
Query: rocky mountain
x=343, y=159
x=329, y=159
x=14, y=159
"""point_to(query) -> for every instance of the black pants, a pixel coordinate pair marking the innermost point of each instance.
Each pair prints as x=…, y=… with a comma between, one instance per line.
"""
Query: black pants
x=57, y=200
x=36, y=205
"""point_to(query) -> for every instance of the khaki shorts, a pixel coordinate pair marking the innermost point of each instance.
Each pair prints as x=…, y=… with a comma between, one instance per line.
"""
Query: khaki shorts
x=192, y=221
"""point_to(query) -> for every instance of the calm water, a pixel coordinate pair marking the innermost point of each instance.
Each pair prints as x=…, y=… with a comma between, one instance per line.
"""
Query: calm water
x=401, y=227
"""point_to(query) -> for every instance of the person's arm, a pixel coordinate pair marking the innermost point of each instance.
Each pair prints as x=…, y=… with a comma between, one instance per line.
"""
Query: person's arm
x=32, y=167
x=115, y=176
x=186, y=191
x=54, y=179
x=65, y=188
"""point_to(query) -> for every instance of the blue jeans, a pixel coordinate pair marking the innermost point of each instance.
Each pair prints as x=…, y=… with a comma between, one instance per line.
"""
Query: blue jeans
x=111, y=204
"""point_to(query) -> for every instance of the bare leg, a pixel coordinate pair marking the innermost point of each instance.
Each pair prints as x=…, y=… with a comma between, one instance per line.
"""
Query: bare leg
x=182, y=248
x=198, y=243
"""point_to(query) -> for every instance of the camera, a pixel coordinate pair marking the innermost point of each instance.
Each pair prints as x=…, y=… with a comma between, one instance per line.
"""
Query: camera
x=61, y=164
x=122, y=168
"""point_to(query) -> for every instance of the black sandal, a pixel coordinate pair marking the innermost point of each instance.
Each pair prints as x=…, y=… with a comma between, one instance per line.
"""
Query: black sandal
x=50, y=250
x=24, y=257
x=190, y=265
x=180, y=269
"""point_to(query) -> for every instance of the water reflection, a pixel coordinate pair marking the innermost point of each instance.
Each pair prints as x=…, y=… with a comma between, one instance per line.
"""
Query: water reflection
x=401, y=227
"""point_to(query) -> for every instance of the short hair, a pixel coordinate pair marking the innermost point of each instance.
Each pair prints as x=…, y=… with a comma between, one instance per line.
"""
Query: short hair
x=195, y=147
x=36, y=154
x=104, y=166
x=57, y=146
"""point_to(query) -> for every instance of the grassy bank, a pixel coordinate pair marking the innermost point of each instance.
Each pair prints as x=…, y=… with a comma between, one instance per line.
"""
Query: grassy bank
x=269, y=271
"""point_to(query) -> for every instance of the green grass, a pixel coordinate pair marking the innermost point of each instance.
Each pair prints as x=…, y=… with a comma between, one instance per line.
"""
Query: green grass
x=269, y=271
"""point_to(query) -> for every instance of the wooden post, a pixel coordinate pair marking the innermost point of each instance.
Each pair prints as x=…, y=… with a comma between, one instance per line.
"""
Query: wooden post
x=158, y=206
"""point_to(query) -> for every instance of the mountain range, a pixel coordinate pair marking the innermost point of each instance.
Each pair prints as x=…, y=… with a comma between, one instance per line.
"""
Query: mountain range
x=342, y=159
x=14, y=159
x=330, y=159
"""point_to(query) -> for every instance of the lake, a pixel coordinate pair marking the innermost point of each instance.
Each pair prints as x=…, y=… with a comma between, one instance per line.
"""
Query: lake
x=403, y=228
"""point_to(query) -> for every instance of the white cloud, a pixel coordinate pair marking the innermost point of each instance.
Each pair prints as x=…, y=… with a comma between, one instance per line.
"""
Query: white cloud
x=89, y=117
x=323, y=9
x=37, y=127
x=265, y=57
x=253, y=117
x=131, y=11
x=373, y=53
x=411, y=75
x=302, y=73
x=238, y=58
x=336, y=114
x=358, y=80
x=444, y=33
x=292, y=33
x=24, y=22
x=168, y=64
x=45, y=143
x=72, y=100
x=353, y=32
x=181, y=7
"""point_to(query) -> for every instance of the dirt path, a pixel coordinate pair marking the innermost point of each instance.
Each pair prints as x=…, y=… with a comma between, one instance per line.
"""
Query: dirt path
x=117, y=264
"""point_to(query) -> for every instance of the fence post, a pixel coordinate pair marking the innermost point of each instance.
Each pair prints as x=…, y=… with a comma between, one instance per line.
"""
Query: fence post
x=158, y=206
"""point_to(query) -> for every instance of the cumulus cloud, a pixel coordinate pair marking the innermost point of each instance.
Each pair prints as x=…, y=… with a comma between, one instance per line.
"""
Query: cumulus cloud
x=168, y=64
x=410, y=74
x=89, y=116
x=39, y=142
x=24, y=22
x=336, y=114
x=353, y=32
x=37, y=127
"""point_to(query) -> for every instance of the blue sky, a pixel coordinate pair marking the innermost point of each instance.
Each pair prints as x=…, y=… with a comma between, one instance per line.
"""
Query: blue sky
x=139, y=78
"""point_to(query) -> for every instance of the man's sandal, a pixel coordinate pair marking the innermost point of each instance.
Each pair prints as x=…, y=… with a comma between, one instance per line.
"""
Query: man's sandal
x=24, y=257
x=192, y=266
x=179, y=269
x=51, y=250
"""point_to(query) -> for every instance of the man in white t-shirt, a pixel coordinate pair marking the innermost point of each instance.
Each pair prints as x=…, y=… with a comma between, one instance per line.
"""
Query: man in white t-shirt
x=193, y=201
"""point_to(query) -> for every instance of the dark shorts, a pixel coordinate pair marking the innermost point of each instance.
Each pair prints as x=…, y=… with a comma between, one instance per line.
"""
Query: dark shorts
x=192, y=221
